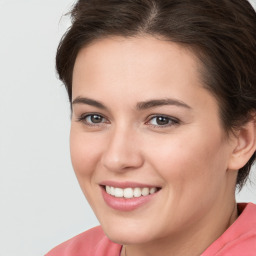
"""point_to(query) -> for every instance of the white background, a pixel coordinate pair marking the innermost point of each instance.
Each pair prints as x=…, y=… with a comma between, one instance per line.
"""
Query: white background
x=41, y=204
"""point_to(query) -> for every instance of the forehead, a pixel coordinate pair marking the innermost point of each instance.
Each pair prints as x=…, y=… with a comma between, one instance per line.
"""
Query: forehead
x=144, y=52
x=137, y=69
x=134, y=58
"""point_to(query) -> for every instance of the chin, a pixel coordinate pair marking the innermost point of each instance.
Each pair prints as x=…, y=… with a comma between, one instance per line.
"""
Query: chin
x=127, y=234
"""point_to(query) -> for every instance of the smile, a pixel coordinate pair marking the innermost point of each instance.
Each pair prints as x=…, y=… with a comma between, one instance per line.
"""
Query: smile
x=128, y=196
x=130, y=192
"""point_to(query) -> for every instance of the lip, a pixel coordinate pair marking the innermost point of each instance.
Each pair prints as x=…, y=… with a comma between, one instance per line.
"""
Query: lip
x=126, y=204
x=127, y=184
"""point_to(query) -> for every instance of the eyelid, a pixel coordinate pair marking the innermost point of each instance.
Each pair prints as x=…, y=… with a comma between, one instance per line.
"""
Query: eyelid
x=82, y=118
x=173, y=120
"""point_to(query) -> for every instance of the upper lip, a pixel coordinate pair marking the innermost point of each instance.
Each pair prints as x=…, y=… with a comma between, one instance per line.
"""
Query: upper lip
x=127, y=184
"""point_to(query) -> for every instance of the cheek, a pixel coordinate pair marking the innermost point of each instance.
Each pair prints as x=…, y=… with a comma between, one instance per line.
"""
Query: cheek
x=194, y=171
x=84, y=155
x=191, y=163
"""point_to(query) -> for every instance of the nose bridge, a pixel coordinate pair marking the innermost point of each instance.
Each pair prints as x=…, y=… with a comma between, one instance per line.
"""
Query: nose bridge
x=122, y=151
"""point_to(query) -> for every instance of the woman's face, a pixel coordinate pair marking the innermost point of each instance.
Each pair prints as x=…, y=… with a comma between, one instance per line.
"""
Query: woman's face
x=142, y=122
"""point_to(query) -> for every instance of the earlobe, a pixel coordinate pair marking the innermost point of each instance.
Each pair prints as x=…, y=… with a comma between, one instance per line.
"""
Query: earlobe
x=245, y=145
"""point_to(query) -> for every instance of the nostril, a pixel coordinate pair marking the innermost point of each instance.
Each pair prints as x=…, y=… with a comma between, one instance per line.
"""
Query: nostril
x=121, y=153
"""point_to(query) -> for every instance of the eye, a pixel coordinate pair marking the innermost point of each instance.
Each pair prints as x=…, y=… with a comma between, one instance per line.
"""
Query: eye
x=162, y=121
x=92, y=119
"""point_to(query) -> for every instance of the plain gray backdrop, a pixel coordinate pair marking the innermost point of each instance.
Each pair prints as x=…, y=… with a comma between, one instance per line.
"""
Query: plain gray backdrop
x=41, y=204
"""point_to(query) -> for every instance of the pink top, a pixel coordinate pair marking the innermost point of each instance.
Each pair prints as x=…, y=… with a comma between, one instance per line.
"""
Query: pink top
x=238, y=240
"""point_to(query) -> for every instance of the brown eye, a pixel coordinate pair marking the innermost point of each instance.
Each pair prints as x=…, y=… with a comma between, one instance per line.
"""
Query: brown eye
x=162, y=121
x=94, y=119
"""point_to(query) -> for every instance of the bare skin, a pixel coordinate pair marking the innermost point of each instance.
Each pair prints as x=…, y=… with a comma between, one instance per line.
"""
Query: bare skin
x=141, y=114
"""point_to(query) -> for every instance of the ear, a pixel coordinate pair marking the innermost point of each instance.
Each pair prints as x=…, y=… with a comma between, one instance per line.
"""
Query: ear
x=245, y=145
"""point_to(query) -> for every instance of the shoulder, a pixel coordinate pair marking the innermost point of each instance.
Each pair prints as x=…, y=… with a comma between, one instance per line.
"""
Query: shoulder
x=92, y=242
x=240, y=238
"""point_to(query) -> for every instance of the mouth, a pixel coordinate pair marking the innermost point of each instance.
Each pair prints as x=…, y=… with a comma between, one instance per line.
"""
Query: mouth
x=130, y=192
x=128, y=196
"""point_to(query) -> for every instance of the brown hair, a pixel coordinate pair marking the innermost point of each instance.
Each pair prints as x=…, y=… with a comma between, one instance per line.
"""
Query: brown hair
x=221, y=33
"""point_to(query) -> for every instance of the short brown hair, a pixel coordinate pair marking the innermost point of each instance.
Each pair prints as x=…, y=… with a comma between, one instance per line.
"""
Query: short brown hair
x=221, y=33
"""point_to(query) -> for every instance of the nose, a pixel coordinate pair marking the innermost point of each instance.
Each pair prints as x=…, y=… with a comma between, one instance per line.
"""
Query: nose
x=122, y=151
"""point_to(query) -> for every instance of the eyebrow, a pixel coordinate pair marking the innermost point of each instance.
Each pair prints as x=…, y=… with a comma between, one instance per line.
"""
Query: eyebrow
x=87, y=101
x=139, y=106
x=160, y=102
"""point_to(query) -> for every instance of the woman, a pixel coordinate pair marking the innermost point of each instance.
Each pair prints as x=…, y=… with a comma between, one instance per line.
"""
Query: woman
x=163, y=99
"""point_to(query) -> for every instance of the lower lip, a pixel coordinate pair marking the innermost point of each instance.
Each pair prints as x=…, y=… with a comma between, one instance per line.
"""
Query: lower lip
x=126, y=204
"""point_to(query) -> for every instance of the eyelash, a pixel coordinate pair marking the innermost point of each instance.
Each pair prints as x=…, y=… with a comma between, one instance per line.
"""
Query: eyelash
x=171, y=120
x=83, y=118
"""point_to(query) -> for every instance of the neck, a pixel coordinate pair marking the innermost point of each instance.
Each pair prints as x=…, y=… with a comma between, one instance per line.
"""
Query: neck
x=192, y=241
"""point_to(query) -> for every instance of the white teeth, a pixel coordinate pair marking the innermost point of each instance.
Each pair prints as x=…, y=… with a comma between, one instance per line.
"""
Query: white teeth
x=145, y=191
x=108, y=189
x=137, y=192
x=152, y=190
x=130, y=192
x=112, y=191
x=119, y=192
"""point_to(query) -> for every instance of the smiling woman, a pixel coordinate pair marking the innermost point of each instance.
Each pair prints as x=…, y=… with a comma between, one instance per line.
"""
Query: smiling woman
x=163, y=99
